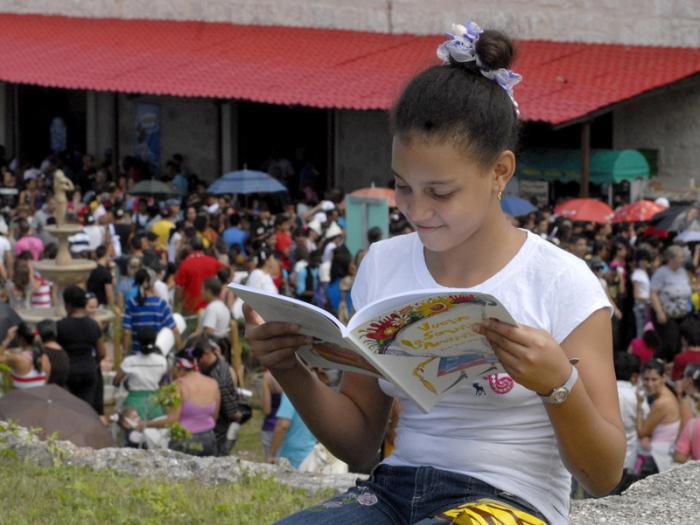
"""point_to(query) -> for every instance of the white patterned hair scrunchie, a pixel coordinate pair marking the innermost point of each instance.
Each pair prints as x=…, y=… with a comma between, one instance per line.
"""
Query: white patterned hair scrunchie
x=461, y=47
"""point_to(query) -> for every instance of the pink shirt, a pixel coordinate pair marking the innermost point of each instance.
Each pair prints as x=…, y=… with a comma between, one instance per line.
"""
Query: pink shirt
x=32, y=244
x=689, y=441
x=641, y=350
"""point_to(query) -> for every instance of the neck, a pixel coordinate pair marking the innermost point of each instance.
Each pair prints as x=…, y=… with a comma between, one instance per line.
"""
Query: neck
x=466, y=265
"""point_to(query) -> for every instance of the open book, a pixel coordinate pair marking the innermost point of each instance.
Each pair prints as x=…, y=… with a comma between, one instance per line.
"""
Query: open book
x=422, y=341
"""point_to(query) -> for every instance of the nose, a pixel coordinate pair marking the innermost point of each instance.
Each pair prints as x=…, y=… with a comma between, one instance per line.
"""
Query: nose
x=417, y=208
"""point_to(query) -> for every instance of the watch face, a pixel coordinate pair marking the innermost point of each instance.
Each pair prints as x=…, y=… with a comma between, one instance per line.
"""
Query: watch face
x=559, y=395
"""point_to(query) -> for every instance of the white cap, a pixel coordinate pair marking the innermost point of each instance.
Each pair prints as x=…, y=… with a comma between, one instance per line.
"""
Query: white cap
x=320, y=217
x=662, y=201
x=31, y=174
x=333, y=231
x=315, y=226
x=3, y=227
x=327, y=205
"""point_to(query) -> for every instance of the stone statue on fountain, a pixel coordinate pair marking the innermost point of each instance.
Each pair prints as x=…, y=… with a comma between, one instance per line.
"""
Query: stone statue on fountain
x=61, y=186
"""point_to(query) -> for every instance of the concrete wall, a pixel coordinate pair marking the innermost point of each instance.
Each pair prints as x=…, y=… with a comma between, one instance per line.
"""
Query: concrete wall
x=188, y=126
x=669, y=122
x=363, y=149
x=655, y=22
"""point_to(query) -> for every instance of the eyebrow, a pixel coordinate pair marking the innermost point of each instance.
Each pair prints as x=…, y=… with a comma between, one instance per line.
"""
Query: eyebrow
x=430, y=182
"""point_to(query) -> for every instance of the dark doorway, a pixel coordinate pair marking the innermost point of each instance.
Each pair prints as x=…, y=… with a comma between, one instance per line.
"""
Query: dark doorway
x=38, y=106
x=297, y=134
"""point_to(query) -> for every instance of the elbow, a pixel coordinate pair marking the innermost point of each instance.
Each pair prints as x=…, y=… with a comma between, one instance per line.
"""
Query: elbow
x=605, y=485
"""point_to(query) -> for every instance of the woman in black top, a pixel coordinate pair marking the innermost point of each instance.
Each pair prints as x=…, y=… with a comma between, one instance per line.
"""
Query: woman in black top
x=60, y=363
x=79, y=335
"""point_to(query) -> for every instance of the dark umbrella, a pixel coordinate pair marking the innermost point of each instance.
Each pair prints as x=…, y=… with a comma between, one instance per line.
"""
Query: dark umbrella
x=668, y=219
x=152, y=187
x=54, y=409
x=8, y=319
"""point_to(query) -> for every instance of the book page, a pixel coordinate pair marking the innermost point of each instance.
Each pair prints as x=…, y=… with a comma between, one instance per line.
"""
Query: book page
x=327, y=355
x=428, y=346
x=313, y=321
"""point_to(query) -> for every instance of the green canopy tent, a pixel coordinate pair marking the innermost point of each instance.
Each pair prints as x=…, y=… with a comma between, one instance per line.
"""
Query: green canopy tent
x=564, y=165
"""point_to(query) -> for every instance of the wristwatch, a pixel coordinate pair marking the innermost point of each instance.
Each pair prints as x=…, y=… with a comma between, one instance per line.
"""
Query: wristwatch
x=559, y=394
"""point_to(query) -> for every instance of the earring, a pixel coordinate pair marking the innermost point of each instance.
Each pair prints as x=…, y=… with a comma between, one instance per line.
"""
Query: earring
x=500, y=195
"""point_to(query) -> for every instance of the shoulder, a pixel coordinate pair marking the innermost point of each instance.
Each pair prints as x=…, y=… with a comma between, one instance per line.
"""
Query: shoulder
x=543, y=250
x=665, y=403
x=399, y=245
x=550, y=268
x=661, y=273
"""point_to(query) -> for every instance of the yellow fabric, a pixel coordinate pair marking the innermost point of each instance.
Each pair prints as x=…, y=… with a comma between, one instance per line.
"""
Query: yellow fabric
x=489, y=512
x=162, y=229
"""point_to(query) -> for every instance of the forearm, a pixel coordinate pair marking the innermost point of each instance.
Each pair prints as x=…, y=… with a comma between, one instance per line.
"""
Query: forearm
x=592, y=448
x=656, y=304
x=126, y=337
x=109, y=292
x=333, y=417
x=277, y=440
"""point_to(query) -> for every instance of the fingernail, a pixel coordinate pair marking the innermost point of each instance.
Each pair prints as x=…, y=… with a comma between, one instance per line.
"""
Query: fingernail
x=479, y=329
x=294, y=327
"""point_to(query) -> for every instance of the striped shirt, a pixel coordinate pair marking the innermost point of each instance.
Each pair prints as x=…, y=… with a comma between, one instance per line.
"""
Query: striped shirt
x=154, y=313
x=41, y=297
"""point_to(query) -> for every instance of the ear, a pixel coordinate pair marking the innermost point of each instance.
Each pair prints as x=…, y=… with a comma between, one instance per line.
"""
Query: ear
x=503, y=169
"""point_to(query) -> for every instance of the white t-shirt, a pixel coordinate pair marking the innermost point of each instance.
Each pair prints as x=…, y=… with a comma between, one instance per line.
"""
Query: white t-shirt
x=505, y=437
x=162, y=291
x=144, y=372
x=172, y=246
x=627, y=397
x=95, y=235
x=5, y=246
x=328, y=252
x=217, y=316
x=641, y=277
x=262, y=281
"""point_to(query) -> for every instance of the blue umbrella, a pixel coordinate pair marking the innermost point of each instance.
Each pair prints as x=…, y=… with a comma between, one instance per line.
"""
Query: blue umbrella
x=246, y=181
x=515, y=206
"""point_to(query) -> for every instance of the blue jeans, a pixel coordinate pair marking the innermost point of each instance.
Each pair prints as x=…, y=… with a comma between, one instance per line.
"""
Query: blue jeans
x=641, y=316
x=403, y=495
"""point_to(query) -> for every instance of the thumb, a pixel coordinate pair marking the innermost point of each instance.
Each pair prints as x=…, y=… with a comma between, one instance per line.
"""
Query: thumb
x=251, y=316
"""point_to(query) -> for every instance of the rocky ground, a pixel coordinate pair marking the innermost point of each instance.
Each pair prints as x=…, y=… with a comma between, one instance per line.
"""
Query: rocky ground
x=666, y=499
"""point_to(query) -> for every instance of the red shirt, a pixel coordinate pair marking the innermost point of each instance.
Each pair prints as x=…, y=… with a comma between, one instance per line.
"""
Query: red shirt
x=685, y=358
x=193, y=271
x=284, y=241
x=642, y=351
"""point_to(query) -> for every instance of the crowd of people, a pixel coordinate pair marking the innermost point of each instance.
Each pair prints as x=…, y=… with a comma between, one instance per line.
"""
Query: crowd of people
x=154, y=257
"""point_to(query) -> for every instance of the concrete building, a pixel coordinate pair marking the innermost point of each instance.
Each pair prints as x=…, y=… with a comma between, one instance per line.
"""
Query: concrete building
x=353, y=146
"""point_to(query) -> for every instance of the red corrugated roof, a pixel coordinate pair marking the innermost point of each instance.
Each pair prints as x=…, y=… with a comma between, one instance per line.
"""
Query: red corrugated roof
x=310, y=67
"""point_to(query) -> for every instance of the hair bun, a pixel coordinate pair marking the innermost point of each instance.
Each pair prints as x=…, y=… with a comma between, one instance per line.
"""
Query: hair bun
x=495, y=49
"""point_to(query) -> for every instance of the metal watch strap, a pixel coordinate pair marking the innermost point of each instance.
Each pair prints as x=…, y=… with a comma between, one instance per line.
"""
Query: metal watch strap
x=559, y=394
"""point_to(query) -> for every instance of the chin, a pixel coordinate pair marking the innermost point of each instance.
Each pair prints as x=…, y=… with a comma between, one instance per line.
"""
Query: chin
x=437, y=241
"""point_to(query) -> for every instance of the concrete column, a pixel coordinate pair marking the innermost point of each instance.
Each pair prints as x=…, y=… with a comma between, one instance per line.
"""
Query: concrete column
x=4, y=124
x=91, y=123
x=229, y=136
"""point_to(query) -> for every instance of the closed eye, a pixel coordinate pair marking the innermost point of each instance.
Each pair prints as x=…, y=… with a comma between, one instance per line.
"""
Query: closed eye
x=436, y=195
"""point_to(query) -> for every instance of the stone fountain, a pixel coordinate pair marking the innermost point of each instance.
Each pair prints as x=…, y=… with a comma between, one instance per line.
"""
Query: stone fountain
x=64, y=270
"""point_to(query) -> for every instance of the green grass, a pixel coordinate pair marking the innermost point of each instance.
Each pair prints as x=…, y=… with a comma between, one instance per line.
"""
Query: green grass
x=69, y=495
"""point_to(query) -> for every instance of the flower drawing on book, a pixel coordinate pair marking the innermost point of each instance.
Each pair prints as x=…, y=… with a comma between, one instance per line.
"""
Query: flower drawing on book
x=379, y=335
